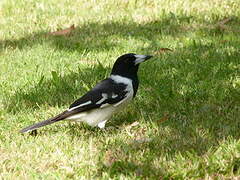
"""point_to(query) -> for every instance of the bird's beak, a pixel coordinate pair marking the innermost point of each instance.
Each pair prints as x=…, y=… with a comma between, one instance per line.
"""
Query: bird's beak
x=141, y=58
x=148, y=57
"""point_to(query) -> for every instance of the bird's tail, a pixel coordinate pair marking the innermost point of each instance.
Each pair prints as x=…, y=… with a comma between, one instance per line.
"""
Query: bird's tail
x=44, y=123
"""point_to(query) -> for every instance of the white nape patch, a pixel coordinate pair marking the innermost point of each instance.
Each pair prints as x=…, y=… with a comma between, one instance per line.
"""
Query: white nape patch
x=129, y=88
x=121, y=79
x=101, y=125
x=81, y=105
x=104, y=97
x=139, y=58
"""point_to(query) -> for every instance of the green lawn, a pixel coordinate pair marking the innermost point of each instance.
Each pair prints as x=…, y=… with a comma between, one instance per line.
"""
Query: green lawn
x=184, y=122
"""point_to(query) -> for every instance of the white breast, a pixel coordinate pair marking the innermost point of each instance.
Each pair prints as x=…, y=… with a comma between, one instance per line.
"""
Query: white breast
x=94, y=116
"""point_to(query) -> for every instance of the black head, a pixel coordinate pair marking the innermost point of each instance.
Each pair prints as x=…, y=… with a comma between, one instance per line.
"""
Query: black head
x=127, y=64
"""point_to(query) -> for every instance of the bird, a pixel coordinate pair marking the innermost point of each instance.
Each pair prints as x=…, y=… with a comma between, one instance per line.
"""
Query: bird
x=106, y=98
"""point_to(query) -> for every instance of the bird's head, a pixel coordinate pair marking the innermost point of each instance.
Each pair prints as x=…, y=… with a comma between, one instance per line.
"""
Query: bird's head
x=127, y=64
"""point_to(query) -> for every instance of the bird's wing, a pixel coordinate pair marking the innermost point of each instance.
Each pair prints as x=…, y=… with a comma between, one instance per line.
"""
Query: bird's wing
x=105, y=93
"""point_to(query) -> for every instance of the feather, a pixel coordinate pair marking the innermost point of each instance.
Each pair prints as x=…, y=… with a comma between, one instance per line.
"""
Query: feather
x=52, y=120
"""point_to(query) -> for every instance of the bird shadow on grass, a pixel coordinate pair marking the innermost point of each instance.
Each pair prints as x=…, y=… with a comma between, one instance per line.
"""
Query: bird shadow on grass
x=195, y=87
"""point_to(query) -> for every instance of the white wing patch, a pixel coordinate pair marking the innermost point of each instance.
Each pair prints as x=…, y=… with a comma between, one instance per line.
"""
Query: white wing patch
x=81, y=105
x=104, y=97
x=114, y=95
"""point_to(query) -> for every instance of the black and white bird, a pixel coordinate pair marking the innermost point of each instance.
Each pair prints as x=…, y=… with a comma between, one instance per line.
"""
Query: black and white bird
x=106, y=98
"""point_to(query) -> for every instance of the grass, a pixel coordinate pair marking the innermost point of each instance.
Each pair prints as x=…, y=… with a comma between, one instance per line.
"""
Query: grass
x=187, y=107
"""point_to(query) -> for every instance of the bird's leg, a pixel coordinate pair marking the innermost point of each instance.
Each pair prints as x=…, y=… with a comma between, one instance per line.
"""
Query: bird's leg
x=101, y=125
